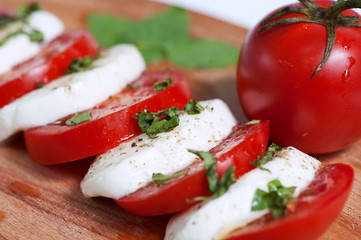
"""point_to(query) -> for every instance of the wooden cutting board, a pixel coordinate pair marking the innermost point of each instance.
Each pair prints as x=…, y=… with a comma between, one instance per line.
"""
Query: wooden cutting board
x=45, y=202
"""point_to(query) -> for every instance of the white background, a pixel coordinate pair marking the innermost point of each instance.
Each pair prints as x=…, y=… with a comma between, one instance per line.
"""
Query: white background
x=245, y=13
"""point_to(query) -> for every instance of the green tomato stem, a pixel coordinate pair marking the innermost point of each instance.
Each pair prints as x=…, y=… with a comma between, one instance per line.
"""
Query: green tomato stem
x=330, y=17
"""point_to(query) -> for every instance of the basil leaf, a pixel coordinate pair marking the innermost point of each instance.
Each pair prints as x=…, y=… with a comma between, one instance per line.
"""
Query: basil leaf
x=202, y=53
x=162, y=85
x=36, y=36
x=107, y=29
x=161, y=179
x=253, y=122
x=193, y=107
x=133, y=86
x=218, y=188
x=210, y=168
x=261, y=160
x=6, y=38
x=276, y=199
x=25, y=11
x=226, y=181
x=154, y=123
x=78, y=118
x=6, y=20
x=80, y=65
x=152, y=52
x=167, y=26
x=39, y=85
x=163, y=36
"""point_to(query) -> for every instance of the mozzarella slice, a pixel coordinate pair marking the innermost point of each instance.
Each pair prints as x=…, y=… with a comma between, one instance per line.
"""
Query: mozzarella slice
x=130, y=166
x=47, y=23
x=74, y=92
x=19, y=48
x=217, y=218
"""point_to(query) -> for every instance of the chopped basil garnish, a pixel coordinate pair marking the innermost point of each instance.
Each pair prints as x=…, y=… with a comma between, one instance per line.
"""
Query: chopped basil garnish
x=6, y=20
x=154, y=123
x=25, y=11
x=267, y=157
x=161, y=179
x=193, y=107
x=218, y=188
x=162, y=85
x=78, y=118
x=253, y=122
x=132, y=86
x=276, y=199
x=34, y=36
x=80, y=65
x=39, y=85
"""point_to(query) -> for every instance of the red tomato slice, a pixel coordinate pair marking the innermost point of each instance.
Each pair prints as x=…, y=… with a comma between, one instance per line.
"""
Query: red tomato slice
x=6, y=11
x=111, y=122
x=49, y=64
x=313, y=212
x=242, y=146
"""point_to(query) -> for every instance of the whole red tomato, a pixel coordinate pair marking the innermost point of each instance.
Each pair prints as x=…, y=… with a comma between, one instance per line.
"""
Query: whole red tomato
x=317, y=112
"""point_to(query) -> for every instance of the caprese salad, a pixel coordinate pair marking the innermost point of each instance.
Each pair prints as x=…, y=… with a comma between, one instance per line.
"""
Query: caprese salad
x=158, y=150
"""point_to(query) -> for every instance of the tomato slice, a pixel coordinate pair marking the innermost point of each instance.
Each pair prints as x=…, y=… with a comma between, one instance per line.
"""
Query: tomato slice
x=6, y=11
x=49, y=64
x=242, y=146
x=313, y=212
x=111, y=122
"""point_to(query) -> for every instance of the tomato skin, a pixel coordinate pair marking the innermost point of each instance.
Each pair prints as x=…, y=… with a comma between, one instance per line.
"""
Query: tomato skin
x=111, y=122
x=241, y=147
x=315, y=115
x=6, y=11
x=315, y=209
x=49, y=64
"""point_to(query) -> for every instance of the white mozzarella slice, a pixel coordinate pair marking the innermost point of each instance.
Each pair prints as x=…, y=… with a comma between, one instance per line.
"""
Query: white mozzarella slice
x=19, y=48
x=217, y=218
x=47, y=23
x=74, y=92
x=130, y=166
x=16, y=50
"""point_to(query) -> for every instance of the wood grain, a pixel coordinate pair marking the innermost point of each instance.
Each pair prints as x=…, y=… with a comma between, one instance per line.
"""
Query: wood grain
x=42, y=202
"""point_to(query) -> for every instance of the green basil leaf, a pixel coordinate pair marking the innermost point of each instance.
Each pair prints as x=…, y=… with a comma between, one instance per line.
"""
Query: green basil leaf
x=163, y=36
x=162, y=85
x=261, y=160
x=161, y=179
x=167, y=26
x=276, y=199
x=6, y=20
x=80, y=65
x=36, y=36
x=218, y=188
x=252, y=122
x=107, y=29
x=133, y=86
x=193, y=107
x=202, y=53
x=78, y=118
x=39, y=85
x=151, y=52
x=210, y=167
x=154, y=123
x=226, y=181
x=25, y=11
x=6, y=38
